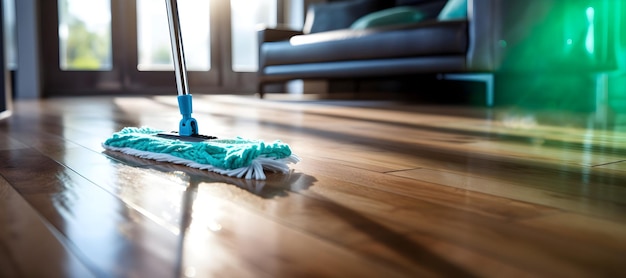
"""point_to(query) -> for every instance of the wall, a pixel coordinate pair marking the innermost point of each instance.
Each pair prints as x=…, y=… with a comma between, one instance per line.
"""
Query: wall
x=28, y=77
x=5, y=89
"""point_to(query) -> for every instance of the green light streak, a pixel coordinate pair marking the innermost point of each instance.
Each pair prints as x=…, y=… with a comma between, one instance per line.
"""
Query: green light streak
x=590, y=40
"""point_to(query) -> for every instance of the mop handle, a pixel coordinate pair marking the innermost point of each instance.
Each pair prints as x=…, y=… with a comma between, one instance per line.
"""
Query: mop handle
x=177, y=47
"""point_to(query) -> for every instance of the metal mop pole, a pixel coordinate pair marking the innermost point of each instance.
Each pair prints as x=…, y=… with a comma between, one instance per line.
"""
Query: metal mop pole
x=178, y=54
x=188, y=125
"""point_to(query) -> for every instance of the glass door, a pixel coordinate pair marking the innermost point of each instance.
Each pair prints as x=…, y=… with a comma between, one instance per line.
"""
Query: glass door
x=151, y=65
x=245, y=17
x=123, y=47
x=77, y=41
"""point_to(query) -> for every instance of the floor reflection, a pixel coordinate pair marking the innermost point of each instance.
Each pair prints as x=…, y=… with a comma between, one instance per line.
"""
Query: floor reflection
x=198, y=216
x=276, y=184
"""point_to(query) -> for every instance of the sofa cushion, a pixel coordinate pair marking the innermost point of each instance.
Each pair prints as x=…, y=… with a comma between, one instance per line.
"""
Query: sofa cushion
x=430, y=9
x=412, y=2
x=391, y=16
x=427, y=38
x=454, y=9
x=327, y=16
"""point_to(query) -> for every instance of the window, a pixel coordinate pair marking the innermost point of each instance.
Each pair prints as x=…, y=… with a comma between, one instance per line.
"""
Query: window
x=123, y=46
x=154, y=44
x=85, y=35
x=246, y=17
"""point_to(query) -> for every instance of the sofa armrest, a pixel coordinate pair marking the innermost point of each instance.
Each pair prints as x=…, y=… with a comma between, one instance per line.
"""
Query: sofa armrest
x=272, y=35
x=483, y=52
x=276, y=34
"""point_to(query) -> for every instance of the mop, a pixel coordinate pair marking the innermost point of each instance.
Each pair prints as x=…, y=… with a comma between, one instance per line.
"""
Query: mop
x=234, y=157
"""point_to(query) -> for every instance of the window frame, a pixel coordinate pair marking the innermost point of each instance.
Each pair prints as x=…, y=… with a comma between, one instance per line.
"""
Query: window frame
x=123, y=77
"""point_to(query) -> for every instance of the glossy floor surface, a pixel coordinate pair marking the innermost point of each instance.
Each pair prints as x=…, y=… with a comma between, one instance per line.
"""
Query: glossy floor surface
x=383, y=189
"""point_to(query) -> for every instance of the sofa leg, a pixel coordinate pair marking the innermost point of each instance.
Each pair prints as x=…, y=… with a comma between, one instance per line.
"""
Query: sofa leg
x=260, y=90
x=487, y=78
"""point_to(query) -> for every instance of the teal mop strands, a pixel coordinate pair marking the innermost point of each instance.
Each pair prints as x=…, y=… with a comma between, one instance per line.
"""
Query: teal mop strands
x=235, y=157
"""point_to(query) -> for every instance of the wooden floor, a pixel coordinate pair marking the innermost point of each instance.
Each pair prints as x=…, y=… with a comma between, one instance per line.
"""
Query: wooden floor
x=383, y=189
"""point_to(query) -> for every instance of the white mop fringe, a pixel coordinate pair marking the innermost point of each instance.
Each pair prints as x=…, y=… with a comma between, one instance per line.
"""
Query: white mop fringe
x=253, y=171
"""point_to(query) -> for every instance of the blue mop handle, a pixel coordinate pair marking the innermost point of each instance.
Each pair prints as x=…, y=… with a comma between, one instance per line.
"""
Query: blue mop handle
x=188, y=125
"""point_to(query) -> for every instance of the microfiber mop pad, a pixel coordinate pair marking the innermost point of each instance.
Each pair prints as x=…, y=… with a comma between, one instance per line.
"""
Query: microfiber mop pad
x=236, y=157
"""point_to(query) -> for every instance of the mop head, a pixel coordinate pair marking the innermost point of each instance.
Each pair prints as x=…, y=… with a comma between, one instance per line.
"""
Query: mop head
x=235, y=157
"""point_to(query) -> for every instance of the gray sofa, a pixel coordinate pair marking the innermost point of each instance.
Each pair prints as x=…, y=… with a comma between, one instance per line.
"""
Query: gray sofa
x=328, y=49
x=494, y=37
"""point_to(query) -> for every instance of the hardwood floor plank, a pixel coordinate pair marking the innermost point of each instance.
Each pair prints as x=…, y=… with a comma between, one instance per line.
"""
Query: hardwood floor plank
x=618, y=166
x=342, y=225
x=471, y=261
x=579, y=228
x=428, y=139
x=453, y=229
x=162, y=202
x=384, y=189
x=113, y=238
x=459, y=198
x=30, y=247
x=271, y=248
x=440, y=129
x=441, y=227
x=538, y=152
x=568, y=131
x=162, y=199
x=370, y=218
x=344, y=229
x=8, y=143
x=568, y=197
